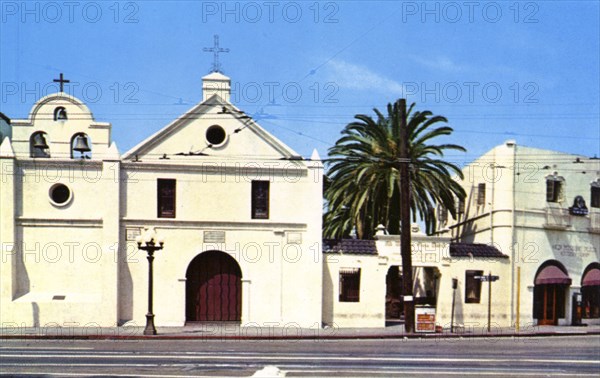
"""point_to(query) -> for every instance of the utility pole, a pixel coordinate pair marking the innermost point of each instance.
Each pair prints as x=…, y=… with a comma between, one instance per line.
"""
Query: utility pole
x=405, y=242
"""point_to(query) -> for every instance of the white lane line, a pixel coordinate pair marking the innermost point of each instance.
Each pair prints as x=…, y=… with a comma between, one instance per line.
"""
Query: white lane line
x=314, y=358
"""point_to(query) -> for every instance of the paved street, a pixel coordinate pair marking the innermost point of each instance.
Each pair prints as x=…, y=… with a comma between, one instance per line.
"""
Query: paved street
x=532, y=356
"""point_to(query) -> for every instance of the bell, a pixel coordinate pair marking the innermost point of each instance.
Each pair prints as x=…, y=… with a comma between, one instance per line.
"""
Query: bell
x=61, y=115
x=81, y=144
x=39, y=141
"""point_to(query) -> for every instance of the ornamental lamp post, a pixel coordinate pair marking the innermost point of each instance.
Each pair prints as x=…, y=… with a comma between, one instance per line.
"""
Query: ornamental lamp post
x=150, y=242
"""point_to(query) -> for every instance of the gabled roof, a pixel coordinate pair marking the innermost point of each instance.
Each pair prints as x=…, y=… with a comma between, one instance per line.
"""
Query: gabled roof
x=475, y=250
x=200, y=110
x=350, y=246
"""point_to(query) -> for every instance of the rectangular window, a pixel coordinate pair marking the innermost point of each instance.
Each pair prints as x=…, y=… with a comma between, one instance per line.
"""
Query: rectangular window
x=473, y=286
x=349, y=284
x=553, y=190
x=166, y=198
x=481, y=195
x=595, y=194
x=260, y=199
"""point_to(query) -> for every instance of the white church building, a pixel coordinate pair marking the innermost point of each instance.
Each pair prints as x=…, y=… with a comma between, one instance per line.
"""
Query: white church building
x=240, y=213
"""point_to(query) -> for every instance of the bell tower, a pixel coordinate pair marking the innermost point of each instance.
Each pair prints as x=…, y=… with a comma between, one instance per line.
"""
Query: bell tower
x=216, y=83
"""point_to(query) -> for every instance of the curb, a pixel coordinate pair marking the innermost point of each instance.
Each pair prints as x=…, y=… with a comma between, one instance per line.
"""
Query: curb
x=432, y=336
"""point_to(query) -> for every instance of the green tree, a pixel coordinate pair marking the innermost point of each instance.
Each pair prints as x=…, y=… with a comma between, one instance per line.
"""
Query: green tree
x=363, y=188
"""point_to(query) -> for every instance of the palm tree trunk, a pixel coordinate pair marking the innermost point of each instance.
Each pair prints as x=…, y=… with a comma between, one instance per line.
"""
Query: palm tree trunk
x=405, y=240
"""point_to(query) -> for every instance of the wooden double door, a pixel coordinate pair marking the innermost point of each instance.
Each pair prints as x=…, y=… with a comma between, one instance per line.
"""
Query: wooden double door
x=213, y=288
x=549, y=303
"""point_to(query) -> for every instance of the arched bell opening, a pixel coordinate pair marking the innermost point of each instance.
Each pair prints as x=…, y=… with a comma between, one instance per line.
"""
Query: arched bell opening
x=38, y=145
x=81, y=146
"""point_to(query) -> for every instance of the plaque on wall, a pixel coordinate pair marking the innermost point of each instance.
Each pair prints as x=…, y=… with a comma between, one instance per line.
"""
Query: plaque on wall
x=133, y=233
x=214, y=236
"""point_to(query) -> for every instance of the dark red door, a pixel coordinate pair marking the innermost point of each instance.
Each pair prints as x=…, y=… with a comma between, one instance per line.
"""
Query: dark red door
x=214, y=288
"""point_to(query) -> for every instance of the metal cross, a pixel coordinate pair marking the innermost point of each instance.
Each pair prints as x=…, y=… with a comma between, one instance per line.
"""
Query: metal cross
x=61, y=81
x=216, y=66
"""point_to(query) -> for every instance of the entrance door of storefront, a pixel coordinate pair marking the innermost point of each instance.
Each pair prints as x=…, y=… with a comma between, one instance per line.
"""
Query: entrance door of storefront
x=551, y=283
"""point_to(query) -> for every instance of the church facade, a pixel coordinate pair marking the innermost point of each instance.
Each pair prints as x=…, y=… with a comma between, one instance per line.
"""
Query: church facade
x=240, y=213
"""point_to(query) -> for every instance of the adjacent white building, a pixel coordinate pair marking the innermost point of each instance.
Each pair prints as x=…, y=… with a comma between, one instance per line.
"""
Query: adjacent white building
x=541, y=208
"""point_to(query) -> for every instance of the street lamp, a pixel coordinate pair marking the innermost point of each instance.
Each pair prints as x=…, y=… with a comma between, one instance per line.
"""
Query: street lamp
x=148, y=242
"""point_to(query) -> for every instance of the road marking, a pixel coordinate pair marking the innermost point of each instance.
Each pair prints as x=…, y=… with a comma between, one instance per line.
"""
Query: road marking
x=44, y=348
x=310, y=358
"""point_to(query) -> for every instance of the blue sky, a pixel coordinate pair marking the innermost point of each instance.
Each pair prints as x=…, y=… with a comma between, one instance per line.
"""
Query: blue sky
x=497, y=70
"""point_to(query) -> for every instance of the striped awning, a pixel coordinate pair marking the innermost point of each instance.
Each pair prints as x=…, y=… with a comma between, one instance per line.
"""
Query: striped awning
x=552, y=275
x=591, y=278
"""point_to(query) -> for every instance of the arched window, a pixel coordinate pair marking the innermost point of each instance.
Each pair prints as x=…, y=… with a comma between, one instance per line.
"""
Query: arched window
x=38, y=145
x=81, y=146
x=60, y=114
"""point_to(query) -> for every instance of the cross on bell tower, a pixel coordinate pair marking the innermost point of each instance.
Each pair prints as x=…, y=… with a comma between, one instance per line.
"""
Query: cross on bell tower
x=216, y=49
x=61, y=81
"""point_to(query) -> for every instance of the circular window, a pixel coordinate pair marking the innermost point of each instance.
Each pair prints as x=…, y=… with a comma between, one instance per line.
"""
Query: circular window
x=60, y=194
x=215, y=135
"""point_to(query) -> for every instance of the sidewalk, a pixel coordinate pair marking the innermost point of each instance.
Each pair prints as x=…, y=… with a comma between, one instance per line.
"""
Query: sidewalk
x=214, y=331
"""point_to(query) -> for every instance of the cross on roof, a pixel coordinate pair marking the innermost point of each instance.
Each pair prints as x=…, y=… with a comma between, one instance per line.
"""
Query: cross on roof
x=216, y=66
x=61, y=81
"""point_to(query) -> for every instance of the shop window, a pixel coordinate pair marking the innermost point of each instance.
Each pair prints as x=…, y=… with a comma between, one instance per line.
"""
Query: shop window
x=473, y=286
x=349, y=285
x=591, y=301
x=166, y=198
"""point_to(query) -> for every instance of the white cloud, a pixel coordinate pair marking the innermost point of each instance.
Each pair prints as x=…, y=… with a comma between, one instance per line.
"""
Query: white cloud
x=348, y=75
x=441, y=63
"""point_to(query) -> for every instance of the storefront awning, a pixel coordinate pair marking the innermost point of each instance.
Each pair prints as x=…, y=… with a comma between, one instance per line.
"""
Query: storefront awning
x=552, y=275
x=591, y=278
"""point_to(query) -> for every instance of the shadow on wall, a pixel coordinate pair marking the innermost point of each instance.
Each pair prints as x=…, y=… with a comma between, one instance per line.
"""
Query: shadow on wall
x=21, y=276
x=125, y=295
x=328, y=296
x=35, y=309
x=459, y=317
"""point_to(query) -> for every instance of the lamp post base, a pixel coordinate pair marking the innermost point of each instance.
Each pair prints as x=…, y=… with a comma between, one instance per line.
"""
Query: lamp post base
x=150, y=329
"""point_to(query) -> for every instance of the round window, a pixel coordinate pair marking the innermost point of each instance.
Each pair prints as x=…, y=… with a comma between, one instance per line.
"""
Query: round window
x=60, y=194
x=215, y=135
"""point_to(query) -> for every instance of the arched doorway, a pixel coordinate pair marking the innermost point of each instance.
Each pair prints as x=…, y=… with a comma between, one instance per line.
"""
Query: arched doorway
x=549, y=293
x=393, y=284
x=213, y=288
x=590, y=290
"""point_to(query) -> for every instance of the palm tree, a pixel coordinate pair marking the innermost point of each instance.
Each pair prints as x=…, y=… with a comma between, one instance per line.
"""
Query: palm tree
x=364, y=178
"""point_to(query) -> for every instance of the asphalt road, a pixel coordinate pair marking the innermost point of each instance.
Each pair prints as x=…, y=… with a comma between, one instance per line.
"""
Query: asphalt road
x=524, y=357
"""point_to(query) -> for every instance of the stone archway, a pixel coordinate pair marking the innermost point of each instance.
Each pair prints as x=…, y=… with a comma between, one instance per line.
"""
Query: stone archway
x=213, y=288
